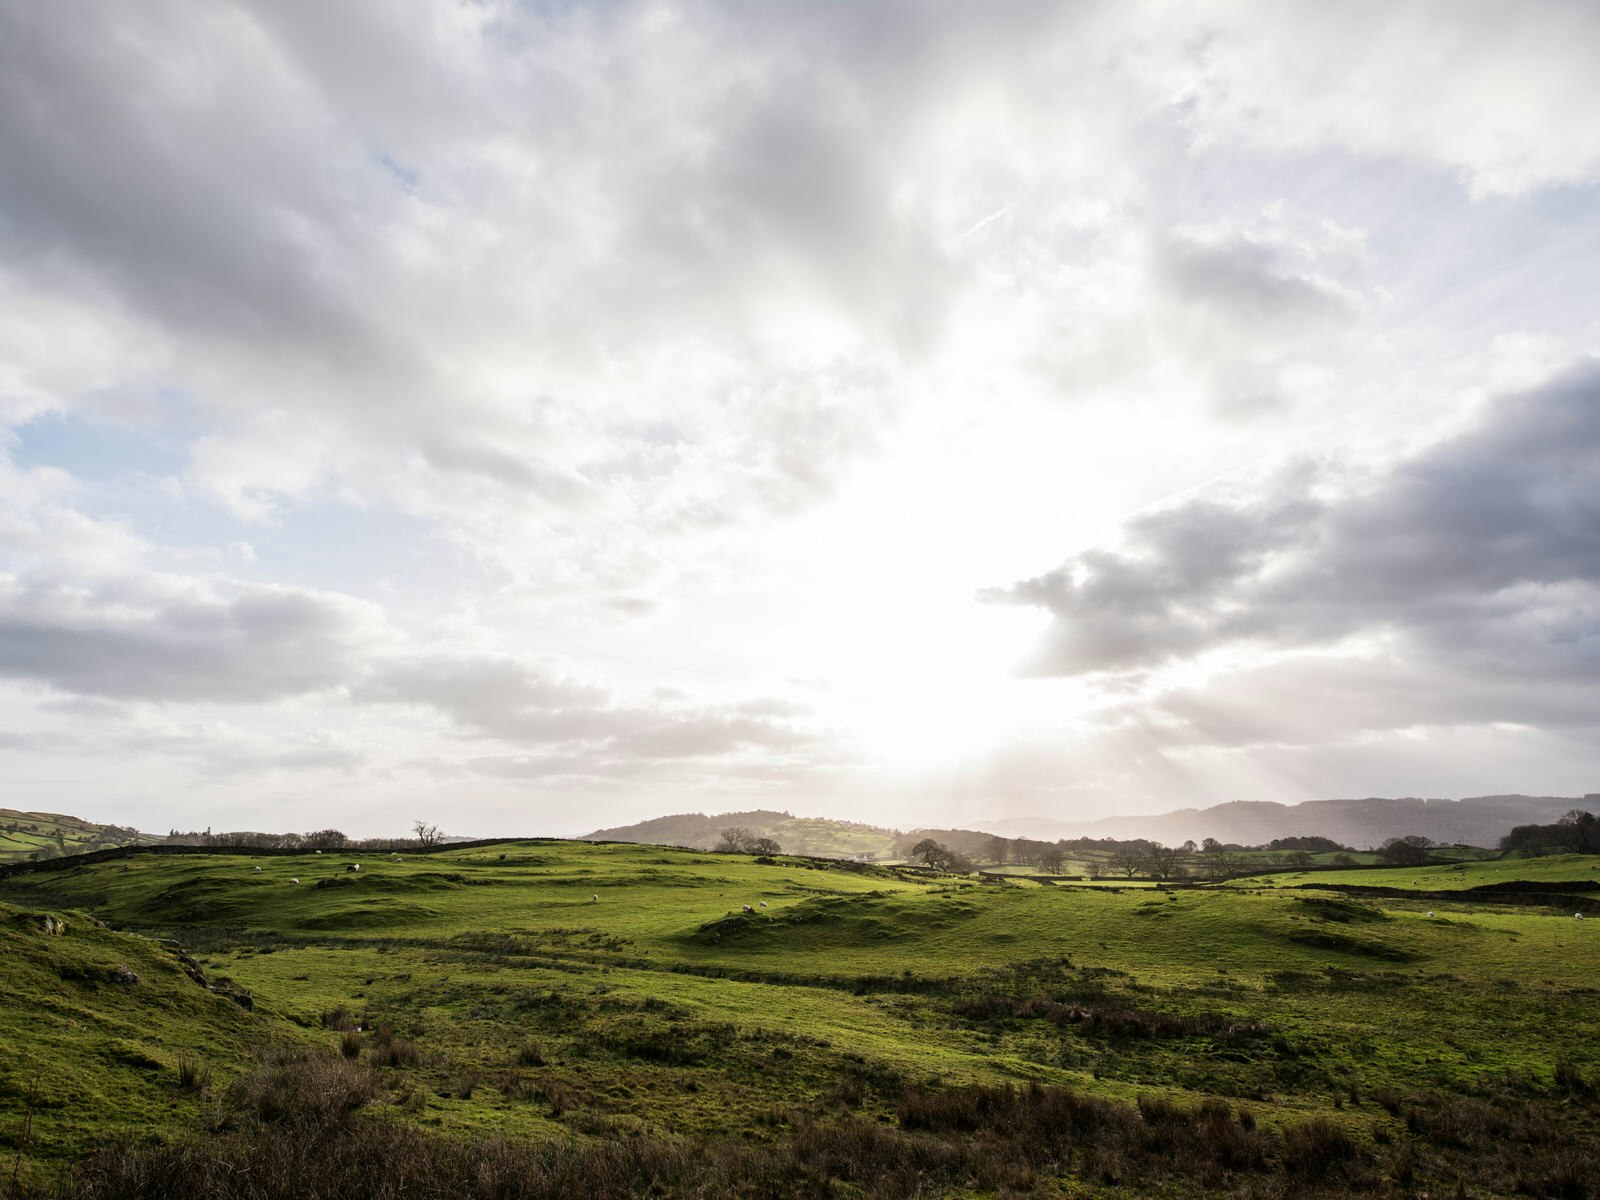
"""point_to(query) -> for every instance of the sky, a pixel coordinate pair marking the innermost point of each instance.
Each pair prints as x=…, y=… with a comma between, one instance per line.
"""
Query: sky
x=534, y=417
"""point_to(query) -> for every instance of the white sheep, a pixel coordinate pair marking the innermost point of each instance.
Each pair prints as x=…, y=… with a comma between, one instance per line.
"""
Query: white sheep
x=258, y=868
x=763, y=904
x=749, y=908
x=294, y=881
x=1430, y=914
x=595, y=899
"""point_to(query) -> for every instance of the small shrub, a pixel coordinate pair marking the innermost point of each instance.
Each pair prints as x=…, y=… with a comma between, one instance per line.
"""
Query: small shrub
x=313, y=1090
x=350, y=1043
x=557, y=1096
x=1317, y=1150
x=389, y=1049
x=1570, y=1081
x=463, y=1084
x=338, y=1018
x=529, y=1054
x=514, y=1085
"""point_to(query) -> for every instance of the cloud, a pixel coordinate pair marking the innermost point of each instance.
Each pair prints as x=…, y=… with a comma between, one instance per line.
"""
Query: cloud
x=1245, y=279
x=530, y=702
x=150, y=637
x=1479, y=549
x=690, y=341
x=1483, y=88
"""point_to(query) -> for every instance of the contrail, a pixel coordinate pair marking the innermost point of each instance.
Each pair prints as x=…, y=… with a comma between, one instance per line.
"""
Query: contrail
x=989, y=220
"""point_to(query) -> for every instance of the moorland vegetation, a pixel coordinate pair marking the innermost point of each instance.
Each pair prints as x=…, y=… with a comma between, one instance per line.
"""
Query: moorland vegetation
x=544, y=1018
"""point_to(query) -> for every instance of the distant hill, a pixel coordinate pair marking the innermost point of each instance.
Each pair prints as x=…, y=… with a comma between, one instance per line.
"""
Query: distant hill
x=25, y=835
x=818, y=836
x=1476, y=820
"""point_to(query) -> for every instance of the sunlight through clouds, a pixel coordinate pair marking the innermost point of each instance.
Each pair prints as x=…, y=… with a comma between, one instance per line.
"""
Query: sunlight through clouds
x=1006, y=409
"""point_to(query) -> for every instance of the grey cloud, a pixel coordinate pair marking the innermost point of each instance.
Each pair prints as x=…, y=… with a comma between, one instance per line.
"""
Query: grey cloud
x=1247, y=280
x=1308, y=699
x=145, y=641
x=1484, y=549
x=479, y=690
x=560, y=487
x=533, y=703
x=129, y=160
x=1162, y=598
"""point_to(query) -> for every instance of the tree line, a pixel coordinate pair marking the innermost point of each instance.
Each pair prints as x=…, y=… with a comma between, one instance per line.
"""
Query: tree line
x=425, y=837
x=1576, y=833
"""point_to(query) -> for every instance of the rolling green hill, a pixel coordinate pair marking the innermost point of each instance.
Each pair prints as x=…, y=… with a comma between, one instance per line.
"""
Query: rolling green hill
x=36, y=835
x=857, y=1030
x=819, y=836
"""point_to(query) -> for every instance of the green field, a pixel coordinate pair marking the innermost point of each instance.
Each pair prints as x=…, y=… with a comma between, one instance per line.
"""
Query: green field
x=567, y=992
x=36, y=835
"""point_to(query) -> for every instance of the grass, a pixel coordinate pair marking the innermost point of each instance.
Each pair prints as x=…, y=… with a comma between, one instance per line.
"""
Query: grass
x=30, y=835
x=494, y=996
x=1553, y=868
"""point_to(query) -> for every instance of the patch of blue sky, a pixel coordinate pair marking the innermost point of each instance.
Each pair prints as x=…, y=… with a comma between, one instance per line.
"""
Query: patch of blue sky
x=407, y=177
x=373, y=553
x=132, y=474
x=98, y=450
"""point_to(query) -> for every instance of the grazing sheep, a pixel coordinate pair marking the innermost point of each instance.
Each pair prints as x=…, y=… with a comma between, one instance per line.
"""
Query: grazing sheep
x=294, y=881
x=595, y=899
x=354, y=867
x=1430, y=913
x=258, y=868
x=749, y=908
x=763, y=904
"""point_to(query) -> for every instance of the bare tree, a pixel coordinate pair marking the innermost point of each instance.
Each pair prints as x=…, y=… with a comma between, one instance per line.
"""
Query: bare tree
x=1162, y=862
x=736, y=839
x=427, y=835
x=1408, y=851
x=1128, y=859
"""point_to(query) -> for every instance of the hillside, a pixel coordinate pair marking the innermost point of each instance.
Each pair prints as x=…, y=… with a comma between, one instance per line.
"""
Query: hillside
x=819, y=836
x=1475, y=821
x=542, y=1018
x=32, y=835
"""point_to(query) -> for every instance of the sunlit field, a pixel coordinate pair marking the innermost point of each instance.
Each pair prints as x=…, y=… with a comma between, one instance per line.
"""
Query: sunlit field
x=556, y=990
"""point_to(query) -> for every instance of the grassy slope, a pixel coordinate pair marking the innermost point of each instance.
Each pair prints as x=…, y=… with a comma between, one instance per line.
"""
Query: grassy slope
x=24, y=834
x=848, y=979
x=1554, y=868
x=96, y=1057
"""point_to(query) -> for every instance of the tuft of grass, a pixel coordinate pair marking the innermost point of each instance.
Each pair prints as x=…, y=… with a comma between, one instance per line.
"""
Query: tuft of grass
x=389, y=1049
x=529, y=1054
x=193, y=1075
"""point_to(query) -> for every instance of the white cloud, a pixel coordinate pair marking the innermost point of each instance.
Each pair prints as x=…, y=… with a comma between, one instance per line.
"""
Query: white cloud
x=692, y=347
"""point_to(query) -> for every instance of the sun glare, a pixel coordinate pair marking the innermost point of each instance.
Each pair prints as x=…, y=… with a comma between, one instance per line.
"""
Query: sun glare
x=943, y=687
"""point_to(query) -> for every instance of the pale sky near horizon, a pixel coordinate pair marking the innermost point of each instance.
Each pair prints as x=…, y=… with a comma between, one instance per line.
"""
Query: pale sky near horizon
x=534, y=417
